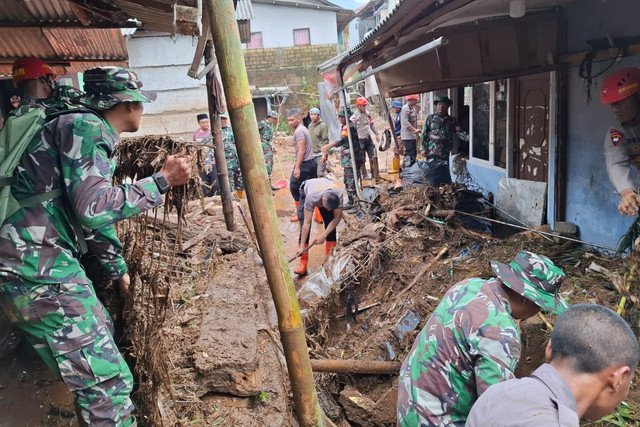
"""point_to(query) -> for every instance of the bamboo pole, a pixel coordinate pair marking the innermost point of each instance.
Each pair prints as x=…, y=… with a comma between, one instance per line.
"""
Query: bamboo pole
x=355, y=366
x=222, y=174
x=226, y=38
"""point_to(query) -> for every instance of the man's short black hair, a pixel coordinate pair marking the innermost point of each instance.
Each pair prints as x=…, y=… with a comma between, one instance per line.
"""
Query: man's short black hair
x=202, y=116
x=332, y=199
x=591, y=337
x=294, y=112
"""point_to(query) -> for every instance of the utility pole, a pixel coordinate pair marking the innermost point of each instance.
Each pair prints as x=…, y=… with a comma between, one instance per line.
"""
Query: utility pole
x=228, y=48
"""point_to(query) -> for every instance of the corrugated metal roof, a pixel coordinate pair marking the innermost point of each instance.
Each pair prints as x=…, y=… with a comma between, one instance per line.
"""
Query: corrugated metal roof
x=66, y=44
x=244, y=10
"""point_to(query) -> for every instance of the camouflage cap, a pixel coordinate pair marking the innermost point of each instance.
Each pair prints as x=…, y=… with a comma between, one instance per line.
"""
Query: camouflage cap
x=273, y=114
x=536, y=278
x=224, y=116
x=106, y=87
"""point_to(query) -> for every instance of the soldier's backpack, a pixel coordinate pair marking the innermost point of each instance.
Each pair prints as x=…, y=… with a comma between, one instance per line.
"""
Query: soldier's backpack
x=15, y=137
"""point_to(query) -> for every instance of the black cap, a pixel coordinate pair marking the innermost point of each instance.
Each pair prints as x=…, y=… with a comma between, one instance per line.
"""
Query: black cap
x=202, y=116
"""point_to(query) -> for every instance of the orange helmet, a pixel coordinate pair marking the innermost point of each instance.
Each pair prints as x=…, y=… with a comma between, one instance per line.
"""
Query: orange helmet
x=362, y=101
x=30, y=68
x=408, y=97
x=620, y=85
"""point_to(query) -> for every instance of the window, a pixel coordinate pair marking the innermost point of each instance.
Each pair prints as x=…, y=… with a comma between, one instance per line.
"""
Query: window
x=301, y=37
x=256, y=41
x=480, y=112
x=489, y=113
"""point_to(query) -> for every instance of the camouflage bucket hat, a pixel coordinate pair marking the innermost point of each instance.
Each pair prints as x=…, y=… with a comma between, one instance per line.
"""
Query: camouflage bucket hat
x=536, y=278
x=106, y=87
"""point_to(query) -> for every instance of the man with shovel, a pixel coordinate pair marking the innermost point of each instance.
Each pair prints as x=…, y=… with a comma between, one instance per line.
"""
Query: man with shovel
x=322, y=194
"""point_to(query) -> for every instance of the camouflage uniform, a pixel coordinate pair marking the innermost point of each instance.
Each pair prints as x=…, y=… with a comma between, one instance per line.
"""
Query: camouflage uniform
x=266, y=137
x=471, y=341
x=345, y=161
x=231, y=155
x=43, y=288
x=437, y=135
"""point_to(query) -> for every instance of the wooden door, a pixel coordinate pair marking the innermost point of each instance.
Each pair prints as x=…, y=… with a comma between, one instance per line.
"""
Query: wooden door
x=532, y=127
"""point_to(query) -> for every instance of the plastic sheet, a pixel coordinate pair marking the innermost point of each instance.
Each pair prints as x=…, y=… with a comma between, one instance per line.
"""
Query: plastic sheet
x=319, y=284
x=433, y=172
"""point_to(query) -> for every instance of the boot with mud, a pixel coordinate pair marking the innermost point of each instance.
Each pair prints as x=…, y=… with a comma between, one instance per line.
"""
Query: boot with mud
x=375, y=169
x=395, y=165
x=317, y=216
x=304, y=260
x=329, y=247
x=294, y=217
x=349, y=205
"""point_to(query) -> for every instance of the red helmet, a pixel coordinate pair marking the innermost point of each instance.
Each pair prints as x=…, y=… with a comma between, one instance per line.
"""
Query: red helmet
x=408, y=97
x=620, y=85
x=362, y=101
x=30, y=68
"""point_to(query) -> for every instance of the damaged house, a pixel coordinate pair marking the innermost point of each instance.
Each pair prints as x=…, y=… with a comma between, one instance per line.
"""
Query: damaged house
x=525, y=79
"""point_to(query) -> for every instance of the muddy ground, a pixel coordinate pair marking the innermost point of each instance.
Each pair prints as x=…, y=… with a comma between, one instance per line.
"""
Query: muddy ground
x=217, y=335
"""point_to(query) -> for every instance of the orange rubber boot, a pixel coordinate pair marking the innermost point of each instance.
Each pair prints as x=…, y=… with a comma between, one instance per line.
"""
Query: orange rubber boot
x=317, y=216
x=329, y=247
x=304, y=260
x=294, y=218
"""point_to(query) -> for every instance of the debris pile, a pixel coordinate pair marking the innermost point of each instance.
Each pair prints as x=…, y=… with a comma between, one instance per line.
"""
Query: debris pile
x=405, y=251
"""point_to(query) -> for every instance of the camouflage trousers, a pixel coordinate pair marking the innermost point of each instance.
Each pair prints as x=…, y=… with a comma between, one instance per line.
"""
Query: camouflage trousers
x=235, y=177
x=69, y=328
x=349, y=177
x=267, y=150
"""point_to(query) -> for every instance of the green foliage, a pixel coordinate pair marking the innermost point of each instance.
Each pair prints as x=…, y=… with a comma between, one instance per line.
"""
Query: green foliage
x=626, y=241
x=262, y=398
x=310, y=94
x=623, y=416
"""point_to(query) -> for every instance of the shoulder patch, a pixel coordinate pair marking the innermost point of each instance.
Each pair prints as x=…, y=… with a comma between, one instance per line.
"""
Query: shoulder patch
x=616, y=136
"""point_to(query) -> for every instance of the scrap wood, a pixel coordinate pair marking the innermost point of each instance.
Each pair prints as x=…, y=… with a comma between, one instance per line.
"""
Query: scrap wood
x=422, y=271
x=196, y=239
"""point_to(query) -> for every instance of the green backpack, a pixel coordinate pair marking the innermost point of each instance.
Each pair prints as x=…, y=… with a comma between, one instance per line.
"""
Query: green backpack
x=15, y=137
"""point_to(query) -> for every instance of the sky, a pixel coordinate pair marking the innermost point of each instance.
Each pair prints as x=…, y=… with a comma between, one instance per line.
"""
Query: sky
x=349, y=4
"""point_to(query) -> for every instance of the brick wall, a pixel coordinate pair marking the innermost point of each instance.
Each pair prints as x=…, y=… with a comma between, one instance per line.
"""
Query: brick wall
x=287, y=66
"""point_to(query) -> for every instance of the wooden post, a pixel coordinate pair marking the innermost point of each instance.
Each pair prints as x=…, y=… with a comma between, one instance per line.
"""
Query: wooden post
x=226, y=38
x=218, y=151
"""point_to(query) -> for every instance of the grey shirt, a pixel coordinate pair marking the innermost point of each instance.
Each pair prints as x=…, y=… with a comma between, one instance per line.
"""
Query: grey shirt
x=622, y=151
x=315, y=188
x=408, y=117
x=300, y=133
x=544, y=399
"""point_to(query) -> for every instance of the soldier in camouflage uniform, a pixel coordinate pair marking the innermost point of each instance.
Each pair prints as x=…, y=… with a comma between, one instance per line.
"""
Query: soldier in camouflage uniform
x=345, y=158
x=231, y=155
x=472, y=340
x=438, y=131
x=43, y=288
x=267, y=131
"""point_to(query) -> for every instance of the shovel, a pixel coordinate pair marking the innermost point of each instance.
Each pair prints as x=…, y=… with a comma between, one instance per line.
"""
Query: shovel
x=303, y=252
x=281, y=183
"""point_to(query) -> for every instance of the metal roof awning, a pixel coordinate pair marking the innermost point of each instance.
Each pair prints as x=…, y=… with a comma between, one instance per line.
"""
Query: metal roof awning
x=483, y=43
x=53, y=30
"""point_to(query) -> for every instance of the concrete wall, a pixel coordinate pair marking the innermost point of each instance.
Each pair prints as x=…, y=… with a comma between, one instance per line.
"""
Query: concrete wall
x=278, y=22
x=162, y=63
x=591, y=199
x=289, y=66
